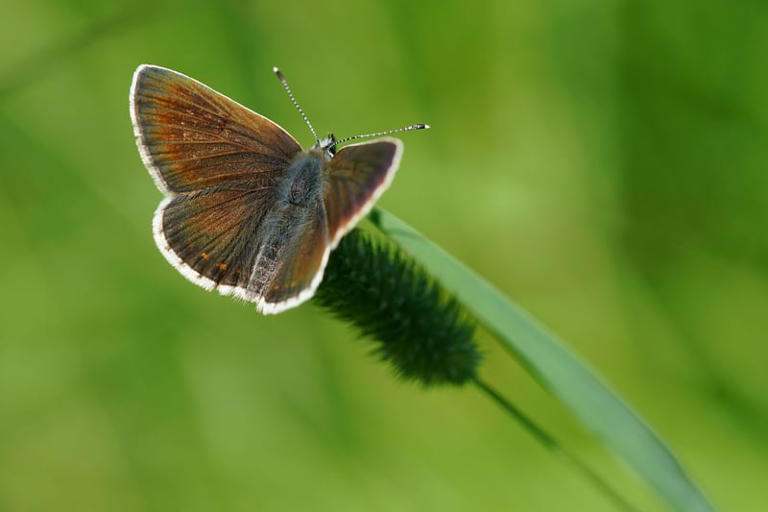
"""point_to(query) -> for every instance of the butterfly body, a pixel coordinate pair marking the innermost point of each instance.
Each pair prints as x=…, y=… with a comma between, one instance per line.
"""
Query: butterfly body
x=247, y=211
x=299, y=205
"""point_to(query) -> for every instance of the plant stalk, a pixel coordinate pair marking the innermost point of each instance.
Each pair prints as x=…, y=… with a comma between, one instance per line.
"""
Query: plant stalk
x=554, y=446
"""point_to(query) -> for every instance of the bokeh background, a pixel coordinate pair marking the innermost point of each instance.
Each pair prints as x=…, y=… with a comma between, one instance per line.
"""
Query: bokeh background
x=603, y=162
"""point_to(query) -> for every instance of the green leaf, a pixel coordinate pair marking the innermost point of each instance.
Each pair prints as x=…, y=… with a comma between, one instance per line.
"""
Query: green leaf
x=556, y=368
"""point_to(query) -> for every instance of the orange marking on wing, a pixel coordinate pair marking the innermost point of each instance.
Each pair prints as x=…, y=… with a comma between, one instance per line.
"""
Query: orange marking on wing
x=205, y=255
x=222, y=266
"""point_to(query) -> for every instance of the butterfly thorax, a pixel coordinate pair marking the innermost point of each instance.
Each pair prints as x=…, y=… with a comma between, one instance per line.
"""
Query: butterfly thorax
x=302, y=183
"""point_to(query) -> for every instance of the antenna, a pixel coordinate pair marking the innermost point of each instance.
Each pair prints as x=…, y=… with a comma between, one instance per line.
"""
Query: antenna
x=287, y=88
x=388, y=132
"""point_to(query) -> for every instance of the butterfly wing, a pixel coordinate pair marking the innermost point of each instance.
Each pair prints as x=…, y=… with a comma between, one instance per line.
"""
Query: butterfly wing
x=355, y=178
x=220, y=166
x=208, y=236
x=191, y=137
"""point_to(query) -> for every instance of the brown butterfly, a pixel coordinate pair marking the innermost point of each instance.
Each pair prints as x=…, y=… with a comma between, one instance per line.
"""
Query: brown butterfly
x=246, y=210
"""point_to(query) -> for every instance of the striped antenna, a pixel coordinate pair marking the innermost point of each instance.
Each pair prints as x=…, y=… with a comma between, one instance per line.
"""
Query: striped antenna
x=388, y=132
x=287, y=88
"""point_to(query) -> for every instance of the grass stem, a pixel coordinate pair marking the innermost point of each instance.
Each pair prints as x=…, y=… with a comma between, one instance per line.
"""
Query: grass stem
x=546, y=439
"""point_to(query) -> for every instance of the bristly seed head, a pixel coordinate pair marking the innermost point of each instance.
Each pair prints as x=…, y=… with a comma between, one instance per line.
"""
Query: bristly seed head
x=417, y=325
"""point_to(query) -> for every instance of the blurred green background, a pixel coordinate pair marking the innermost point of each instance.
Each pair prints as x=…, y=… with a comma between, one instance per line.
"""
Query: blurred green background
x=602, y=162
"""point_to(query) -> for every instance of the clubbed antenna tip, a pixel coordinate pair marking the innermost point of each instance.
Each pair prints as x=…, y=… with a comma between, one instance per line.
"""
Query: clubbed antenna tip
x=409, y=128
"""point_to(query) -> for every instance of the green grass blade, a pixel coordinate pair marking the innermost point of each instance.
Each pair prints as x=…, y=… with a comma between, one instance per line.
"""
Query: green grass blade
x=556, y=368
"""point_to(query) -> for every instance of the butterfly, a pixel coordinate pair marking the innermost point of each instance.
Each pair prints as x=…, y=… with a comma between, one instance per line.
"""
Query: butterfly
x=247, y=211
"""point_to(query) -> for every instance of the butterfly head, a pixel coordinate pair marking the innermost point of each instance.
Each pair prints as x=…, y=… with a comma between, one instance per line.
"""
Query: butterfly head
x=328, y=145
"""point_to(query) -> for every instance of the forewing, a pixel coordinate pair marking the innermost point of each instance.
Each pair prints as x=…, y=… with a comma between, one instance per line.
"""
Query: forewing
x=355, y=177
x=209, y=235
x=191, y=137
x=290, y=267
